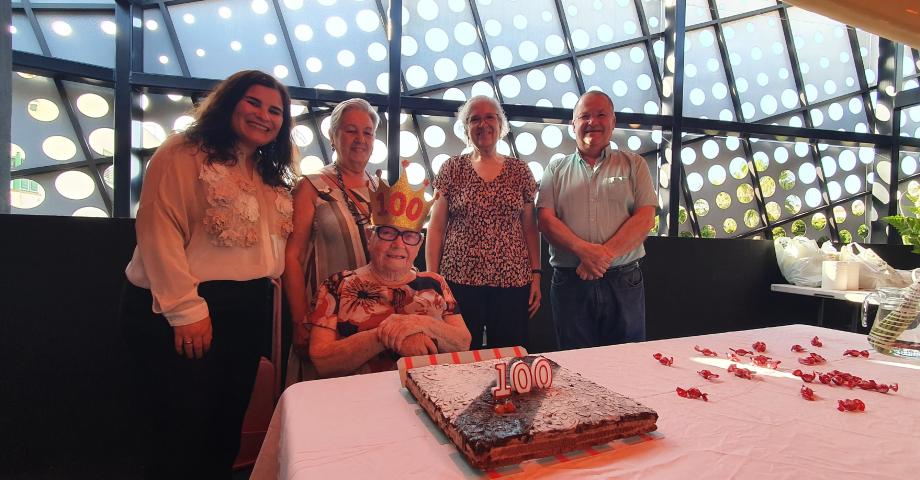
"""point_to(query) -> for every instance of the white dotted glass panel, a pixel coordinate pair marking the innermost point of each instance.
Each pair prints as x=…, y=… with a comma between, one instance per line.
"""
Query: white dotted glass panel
x=38, y=126
x=461, y=93
x=847, y=114
x=706, y=91
x=654, y=14
x=626, y=75
x=157, y=45
x=163, y=114
x=852, y=221
x=728, y=8
x=443, y=138
x=723, y=190
x=538, y=143
x=93, y=105
x=23, y=36
x=340, y=45
x=56, y=193
x=842, y=167
x=444, y=43
x=910, y=122
x=547, y=86
x=825, y=56
x=760, y=63
x=520, y=31
x=909, y=62
x=789, y=167
x=69, y=35
x=594, y=23
x=698, y=12
x=250, y=37
x=868, y=50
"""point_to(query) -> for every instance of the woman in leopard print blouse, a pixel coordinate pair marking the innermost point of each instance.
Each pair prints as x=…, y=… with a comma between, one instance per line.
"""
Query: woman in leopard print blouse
x=483, y=236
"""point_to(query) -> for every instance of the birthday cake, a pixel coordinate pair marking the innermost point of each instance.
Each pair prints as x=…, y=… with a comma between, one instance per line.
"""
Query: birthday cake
x=572, y=413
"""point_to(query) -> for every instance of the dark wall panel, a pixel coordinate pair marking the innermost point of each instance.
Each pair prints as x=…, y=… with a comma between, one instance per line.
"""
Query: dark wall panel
x=64, y=384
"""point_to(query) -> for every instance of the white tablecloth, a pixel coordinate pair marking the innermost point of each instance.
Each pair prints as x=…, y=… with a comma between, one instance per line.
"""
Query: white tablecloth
x=369, y=427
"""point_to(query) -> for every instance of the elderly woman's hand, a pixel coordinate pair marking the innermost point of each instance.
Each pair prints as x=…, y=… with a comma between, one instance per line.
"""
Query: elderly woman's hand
x=397, y=327
x=417, y=344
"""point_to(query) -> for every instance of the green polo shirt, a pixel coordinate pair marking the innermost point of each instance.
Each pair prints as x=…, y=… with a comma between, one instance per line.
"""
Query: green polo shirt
x=595, y=202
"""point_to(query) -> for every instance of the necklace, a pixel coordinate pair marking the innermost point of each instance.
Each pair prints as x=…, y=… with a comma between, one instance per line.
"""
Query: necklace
x=360, y=218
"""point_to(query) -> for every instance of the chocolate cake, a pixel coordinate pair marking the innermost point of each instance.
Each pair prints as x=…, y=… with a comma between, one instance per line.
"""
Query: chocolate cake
x=574, y=413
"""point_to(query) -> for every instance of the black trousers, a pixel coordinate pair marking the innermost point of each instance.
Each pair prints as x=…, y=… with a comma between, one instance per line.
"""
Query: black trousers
x=195, y=408
x=501, y=310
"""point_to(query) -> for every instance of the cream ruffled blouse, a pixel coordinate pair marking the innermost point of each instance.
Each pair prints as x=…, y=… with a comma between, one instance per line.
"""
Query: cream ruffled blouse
x=198, y=222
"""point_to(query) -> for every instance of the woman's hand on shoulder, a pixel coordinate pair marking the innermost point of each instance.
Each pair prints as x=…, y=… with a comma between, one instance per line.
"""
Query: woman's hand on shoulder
x=193, y=340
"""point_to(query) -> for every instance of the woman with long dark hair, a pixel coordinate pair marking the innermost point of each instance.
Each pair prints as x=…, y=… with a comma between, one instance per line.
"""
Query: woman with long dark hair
x=214, y=216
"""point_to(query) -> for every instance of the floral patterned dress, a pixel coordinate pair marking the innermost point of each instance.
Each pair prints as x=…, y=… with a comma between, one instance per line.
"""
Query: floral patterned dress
x=354, y=301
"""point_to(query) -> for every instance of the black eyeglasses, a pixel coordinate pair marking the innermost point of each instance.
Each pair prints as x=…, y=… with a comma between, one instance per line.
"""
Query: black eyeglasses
x=389, y=234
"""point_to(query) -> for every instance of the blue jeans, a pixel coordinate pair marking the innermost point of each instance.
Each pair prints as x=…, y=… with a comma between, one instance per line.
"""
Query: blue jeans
x=606, y=311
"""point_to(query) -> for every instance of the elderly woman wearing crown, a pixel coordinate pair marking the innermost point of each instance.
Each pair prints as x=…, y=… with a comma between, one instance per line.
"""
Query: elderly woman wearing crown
x=365, y=319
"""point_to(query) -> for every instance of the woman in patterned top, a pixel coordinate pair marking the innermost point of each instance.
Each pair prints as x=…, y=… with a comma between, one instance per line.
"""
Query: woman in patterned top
x=483, y=233
x=365, y=319
x=214, y=215
x=331, y=208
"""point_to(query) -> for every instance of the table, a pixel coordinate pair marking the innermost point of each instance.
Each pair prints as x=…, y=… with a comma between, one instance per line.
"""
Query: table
x=853, y=296
x=368, y=427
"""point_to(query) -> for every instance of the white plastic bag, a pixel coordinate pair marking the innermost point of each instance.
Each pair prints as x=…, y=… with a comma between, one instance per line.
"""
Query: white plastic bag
x=799, y=260
x=874, y=272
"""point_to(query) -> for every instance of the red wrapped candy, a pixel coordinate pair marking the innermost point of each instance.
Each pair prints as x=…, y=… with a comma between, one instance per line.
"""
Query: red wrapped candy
x=807, y=393
x=707, y=374
x=759, y=347
x=765, y=361
x=857, y=353
x=692, y=392
x=812, y=359
x=706, y=351
x=667, y=361
x=741, y=372
x=742, y=352
x=797, y=348
x=806, y=377
x=848, y=405
x=816, y=341
x=505, y=407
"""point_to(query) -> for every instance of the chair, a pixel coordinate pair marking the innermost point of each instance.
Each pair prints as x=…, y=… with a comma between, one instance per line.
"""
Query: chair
x=265, y=392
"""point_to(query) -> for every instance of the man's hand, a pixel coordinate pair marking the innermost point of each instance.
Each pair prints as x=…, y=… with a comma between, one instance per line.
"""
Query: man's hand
x=595, y=257
x=417, y=344
x=586, y=273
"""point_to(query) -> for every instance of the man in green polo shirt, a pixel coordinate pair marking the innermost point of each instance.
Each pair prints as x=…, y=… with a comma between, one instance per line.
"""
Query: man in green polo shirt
x=596, y=206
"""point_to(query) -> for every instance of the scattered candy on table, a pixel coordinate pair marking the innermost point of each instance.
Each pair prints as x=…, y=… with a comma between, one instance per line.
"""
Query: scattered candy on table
x=692, y=392
x=848, y=405
x=857, y=353
x=812, y=359
x=807, y=393
x=667, y=361
x=707, y=374
x=741, y=372
x=705, y=351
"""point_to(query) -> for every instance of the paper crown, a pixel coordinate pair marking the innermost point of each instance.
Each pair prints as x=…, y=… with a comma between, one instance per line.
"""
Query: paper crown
x=400, y=206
